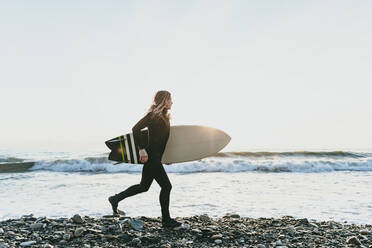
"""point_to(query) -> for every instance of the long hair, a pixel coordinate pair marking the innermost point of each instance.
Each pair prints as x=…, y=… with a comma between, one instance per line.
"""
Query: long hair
x=158, y=106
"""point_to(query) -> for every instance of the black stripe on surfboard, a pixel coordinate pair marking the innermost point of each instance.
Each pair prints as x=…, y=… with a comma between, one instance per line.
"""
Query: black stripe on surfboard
x=130, y=149
x=136, y=147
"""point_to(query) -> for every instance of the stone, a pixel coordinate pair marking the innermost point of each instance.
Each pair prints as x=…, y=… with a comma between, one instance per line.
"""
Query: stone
x=204, y=217
x=313, y=225
x=109, y=236
x=353, y=240
x=66, y=236
x=278, y=243
x=37, y=226
x=182, y=226
x=218, y=241
x=136, y=224
x=79, y=231
x=136, y=241
x=291, y=229
x=1, y=230
x=77, y=219
x=216, y=236
x=260, y=246
x=363, y=232
x=27, y=243
x=303, y=221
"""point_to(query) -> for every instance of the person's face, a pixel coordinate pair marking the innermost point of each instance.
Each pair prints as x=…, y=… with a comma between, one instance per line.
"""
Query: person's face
x=169, y=103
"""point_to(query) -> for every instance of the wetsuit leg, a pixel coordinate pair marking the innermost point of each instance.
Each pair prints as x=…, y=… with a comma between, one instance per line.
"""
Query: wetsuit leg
x=143, y=186
x=162, y=179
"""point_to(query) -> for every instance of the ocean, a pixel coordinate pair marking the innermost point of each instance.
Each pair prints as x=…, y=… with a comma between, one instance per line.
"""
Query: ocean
x=328, y=185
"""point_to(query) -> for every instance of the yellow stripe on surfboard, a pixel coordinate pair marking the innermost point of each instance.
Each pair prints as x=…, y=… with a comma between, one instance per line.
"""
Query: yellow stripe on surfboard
x=122, y=150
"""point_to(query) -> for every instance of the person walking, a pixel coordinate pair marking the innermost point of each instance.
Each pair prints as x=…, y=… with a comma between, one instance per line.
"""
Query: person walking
x=157, y=120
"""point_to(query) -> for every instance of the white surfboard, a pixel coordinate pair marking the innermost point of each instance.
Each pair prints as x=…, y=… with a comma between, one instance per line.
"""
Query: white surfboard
x=189, y=143
x=185, y=143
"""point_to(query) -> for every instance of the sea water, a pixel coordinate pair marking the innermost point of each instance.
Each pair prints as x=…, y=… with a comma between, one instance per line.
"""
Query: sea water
x=314, y=185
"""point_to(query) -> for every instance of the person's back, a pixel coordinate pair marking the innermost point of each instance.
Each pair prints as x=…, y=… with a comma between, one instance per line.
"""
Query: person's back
x=158, y=134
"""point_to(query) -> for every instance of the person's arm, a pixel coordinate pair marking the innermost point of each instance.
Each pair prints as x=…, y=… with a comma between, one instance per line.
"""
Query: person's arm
x=141, y=124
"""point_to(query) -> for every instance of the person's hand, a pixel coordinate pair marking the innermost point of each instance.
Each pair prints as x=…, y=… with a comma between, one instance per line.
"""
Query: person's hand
x=143, y=156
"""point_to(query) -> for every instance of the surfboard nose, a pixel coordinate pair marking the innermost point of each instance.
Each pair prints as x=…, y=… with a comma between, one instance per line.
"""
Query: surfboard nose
x=225, y=137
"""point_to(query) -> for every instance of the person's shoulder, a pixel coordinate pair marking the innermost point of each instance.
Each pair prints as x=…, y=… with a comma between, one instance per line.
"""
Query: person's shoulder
x=150, y=116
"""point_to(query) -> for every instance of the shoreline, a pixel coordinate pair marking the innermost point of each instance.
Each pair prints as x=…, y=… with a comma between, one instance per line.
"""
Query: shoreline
x=230, y=230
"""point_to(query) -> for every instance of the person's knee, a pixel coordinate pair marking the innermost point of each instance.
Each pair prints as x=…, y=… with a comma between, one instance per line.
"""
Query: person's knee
x=167, y=187
x=144, y=187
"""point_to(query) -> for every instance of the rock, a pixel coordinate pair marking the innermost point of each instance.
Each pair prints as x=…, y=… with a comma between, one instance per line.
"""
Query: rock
x=136, y=224
x=182, y=226
x=303, y=221
x=218, y=241
x=37, y=226
x=231, y=216
x=291, y=229
x=77, y=219
x=1, y=230
x=48, y=246
x=109, y=236
x=313, y=225
x=135, y=242
x=213, y=227
x=204, y=217
x=353, y=240
x=79, y=231
x=27, y=243
x=278, y=243
x=66, y=236
x=2, y=245
x=260, y=246
x=89, y=236
x=216, y=236
x=62, y=242
x=363, y=232
x=37, y=237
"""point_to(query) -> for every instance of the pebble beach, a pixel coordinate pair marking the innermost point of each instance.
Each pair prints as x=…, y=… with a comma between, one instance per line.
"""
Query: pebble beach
x=230, y=230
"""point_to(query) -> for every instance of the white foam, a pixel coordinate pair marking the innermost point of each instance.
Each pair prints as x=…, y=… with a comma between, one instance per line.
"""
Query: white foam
x=213, y=165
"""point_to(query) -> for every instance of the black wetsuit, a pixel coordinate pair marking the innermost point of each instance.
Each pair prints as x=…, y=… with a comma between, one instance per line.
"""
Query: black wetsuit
x=153, y=168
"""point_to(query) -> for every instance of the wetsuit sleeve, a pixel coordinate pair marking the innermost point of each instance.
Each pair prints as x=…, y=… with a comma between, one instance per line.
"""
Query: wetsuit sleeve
x=141, y=124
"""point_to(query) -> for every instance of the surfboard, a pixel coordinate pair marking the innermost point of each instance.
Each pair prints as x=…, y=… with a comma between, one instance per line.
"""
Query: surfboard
x=185, y=143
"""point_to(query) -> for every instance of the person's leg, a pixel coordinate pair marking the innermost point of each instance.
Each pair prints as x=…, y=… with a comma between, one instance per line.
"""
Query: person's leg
x=143, y=186
x=162, y=179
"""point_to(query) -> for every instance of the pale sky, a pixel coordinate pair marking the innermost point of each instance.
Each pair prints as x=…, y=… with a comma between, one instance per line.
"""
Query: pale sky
x=289, y=75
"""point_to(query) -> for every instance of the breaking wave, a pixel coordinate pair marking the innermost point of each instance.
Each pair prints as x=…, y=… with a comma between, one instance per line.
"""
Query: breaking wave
x=265, y=162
